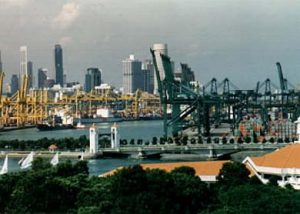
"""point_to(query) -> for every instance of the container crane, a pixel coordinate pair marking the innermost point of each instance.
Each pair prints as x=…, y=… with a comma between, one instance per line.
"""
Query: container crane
x=281, y=79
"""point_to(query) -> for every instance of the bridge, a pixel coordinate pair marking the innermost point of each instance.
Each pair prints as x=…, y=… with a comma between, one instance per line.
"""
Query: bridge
x=218, y=151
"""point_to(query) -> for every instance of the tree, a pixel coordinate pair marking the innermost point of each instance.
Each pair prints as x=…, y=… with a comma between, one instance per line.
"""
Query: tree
x=154, y=140
x=232, y=174
x=40, y=164
x=224, y=140
x=184, y=170
x=184, y=140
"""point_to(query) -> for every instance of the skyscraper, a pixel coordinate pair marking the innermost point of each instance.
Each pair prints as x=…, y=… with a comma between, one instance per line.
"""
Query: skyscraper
x=148, y=65
x=132, y=75
x=23, y=61
x=159, y=49
x=59, y=70
x=30, y=73
x=92, y=79
x=14, y=84
x=42, y=77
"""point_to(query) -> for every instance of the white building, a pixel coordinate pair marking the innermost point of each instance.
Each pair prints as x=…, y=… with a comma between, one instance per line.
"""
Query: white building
x=23, y=61
x=283, y=163
x=132, y=74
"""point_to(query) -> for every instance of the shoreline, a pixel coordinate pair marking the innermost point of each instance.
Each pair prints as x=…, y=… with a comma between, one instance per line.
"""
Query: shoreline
x=44, y=154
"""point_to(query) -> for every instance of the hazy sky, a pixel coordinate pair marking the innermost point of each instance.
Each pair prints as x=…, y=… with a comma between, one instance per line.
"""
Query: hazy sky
x=241, y=40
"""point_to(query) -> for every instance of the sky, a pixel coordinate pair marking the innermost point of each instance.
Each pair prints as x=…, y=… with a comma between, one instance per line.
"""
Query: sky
x=241, y=40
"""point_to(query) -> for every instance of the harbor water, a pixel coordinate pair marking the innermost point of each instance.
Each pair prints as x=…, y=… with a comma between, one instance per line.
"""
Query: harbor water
x=96, y=166
x=128, y=130
x=132, y=129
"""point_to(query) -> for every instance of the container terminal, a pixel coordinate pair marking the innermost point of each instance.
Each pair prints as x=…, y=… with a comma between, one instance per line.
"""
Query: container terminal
x=186, y=107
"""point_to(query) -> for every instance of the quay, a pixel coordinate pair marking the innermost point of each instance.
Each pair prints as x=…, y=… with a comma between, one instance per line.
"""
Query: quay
x=13, y=128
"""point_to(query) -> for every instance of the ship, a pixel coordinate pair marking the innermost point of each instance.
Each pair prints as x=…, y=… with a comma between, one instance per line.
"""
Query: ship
x=103, y=115
x=50, y=127
x=57, y=123
x=150, y=116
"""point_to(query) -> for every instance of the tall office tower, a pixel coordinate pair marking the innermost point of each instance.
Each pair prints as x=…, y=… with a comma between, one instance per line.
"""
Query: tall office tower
x=65, y=79
x=148, y=65
x=30, y=73
x=42, y=77
x=14, y=84
x=59, y=70
x=146, y=80
x=92, y=79
x=23, y=61
x=159, y=49
x=132, y=75
x=0, y=63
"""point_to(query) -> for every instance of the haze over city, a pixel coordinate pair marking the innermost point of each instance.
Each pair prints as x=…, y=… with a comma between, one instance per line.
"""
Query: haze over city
x=216, y=38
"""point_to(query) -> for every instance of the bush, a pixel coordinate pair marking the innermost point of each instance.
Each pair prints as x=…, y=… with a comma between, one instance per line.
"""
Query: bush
x=193, y=141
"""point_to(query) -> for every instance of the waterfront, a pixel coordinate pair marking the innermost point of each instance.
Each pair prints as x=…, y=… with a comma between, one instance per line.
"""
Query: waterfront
x=128, y=130
x=131, y=129
x=96, y=166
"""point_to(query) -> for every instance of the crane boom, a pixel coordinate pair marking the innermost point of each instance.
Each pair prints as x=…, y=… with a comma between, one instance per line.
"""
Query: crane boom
x=281, y=79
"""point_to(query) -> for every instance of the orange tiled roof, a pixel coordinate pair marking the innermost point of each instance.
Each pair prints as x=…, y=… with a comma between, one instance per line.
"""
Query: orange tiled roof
x=287, y=157
x=204, y=168
x=53, y=147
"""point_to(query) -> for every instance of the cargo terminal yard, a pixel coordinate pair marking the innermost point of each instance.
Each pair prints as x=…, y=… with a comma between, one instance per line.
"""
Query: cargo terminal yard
x=186, y=106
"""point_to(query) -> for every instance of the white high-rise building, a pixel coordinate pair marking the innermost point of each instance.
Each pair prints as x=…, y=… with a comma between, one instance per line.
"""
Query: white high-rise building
x=132, y=74
x=23, y=61
x=159, y=49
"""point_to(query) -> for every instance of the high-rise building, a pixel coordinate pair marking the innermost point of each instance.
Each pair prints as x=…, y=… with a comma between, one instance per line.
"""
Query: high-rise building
x=1, y=63
x=159, y=49
x=132, y=75
x=14, y=84
x=92, y=79
x=59, y=70
x=30, y=73
x=49, y=83
x=23, y=61
x=146, y=80
x=42, y=77
x=148, y=65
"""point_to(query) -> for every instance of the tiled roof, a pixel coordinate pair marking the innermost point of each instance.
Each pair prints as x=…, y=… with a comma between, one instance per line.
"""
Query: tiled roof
x=287, y=157
x=204, y=168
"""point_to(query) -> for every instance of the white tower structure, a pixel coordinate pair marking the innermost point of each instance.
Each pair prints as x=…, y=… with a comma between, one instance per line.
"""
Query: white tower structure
x=159, y=49
x=115, y=144
x=23, y=61
x=298, y=128
x=132, y=74
x=93, y=139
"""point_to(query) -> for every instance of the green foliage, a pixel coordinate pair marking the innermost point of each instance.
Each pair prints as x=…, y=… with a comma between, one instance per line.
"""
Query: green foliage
x=184, y=170
x=67, y=188
x=39, y=164
x=43, y=144
x=251, y=199
x=233, y=173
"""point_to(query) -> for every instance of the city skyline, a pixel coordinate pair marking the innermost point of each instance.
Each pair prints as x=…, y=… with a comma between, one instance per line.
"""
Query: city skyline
x=217, y=39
